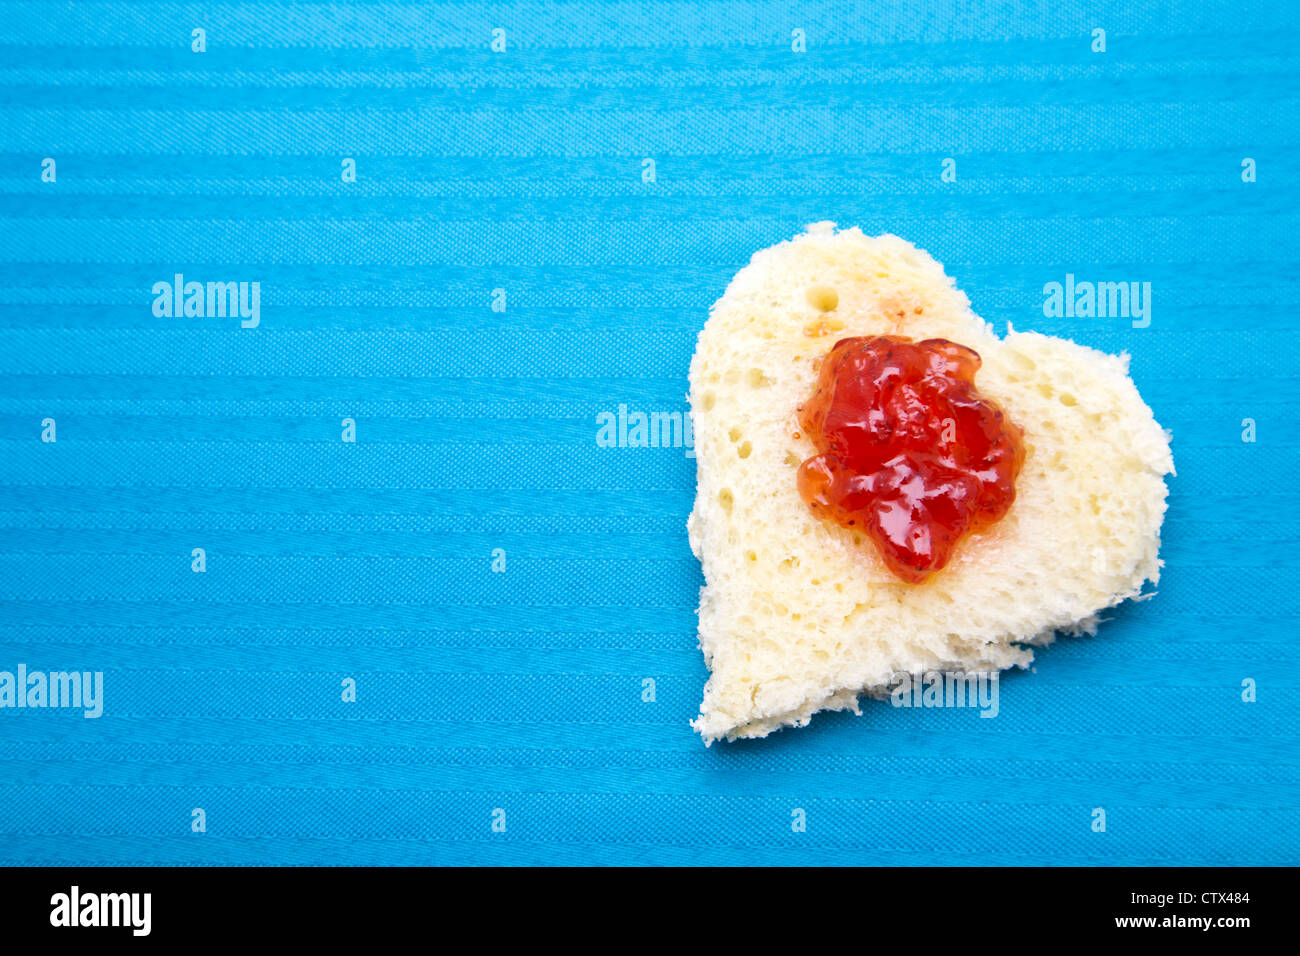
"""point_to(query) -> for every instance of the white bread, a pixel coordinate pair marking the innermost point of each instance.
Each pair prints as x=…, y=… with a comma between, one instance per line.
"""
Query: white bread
x=796, y=616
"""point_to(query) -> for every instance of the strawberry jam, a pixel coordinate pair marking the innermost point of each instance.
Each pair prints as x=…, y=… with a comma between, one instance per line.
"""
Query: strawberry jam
x=908, y=451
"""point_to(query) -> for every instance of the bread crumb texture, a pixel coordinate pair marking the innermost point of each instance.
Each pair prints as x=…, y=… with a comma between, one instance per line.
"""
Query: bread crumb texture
x=798, y=616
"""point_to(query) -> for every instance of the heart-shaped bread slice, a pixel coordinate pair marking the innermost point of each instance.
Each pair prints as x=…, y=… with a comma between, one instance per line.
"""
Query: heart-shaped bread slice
x=798, y=614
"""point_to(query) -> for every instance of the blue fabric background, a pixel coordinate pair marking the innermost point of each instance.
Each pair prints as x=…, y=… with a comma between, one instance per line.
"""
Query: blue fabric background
x=476, y=429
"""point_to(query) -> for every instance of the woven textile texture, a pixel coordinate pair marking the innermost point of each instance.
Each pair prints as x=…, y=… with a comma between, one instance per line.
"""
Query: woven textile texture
x=467, y=231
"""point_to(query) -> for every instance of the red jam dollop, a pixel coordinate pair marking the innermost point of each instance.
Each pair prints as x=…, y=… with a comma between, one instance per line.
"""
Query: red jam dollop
x=908, y=451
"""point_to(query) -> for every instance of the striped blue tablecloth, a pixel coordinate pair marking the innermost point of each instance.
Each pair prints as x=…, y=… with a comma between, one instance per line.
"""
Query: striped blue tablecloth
x=470, y=231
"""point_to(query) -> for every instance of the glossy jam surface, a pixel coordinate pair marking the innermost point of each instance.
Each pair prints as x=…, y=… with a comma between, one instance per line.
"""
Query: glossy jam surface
x=908, y=451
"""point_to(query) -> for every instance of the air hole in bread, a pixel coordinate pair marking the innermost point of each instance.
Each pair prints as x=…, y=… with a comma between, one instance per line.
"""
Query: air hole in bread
x=734, y=434
x=707, y=401
x=757, y=379
x=751, y=556
x=792, y=459
x=726, y=499
x=822, y=297
x=744, y=449
x=822, y=326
